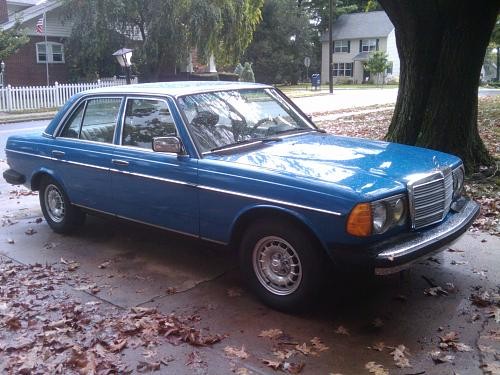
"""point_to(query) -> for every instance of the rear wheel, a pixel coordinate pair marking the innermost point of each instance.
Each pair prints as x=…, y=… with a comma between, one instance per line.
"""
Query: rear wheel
x=282, y=264
x=58, y=211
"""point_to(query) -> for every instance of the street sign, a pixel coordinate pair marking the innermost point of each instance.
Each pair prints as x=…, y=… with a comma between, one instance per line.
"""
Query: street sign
x=307, y=61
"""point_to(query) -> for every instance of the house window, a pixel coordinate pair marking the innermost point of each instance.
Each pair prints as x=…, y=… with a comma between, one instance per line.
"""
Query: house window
x=368, y=45
x=389, y=68
x=51, y=52
x=341, y=46
x=342, y=70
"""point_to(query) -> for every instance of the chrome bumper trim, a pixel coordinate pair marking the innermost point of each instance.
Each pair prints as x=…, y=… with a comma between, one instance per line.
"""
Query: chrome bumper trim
x=434, y=239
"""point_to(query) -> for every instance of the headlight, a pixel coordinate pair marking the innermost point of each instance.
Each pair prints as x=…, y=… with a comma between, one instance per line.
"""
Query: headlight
x=458, y=181
x=377, y=217
x=387, y=213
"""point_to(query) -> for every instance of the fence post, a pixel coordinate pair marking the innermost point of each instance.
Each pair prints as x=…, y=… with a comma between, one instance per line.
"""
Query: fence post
x=56, y=94
x=9, y=98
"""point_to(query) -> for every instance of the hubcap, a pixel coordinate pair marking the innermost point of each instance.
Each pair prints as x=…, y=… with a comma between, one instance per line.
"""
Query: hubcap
x=277, y=265
x=54, y=203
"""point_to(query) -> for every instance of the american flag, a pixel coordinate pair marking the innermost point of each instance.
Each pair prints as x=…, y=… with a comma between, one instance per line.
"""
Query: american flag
x=39, y=26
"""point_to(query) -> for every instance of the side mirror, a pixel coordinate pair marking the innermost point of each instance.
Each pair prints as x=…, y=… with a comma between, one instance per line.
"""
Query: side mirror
x=171, y=145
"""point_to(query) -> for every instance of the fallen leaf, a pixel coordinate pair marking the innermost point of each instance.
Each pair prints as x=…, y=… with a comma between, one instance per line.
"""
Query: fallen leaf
x=399, y=355
x=271, y=333
x=104, y=265
x=378, y=346
x=376, y=369
x=461, y=347
x=304, y=349
x=455, y=250
x=284, y=354
x=481, y=300
x=10, y=241
x=235, y=352
x=30, y=231
x=275, y=365
x=293, y=368
x=377, y=323
x=318, y=344
x=491, y=369
x=118, y=345
x=341, y=330
x=439, y=357
x=435, y=291
x=145, y=366
x=13, y=323
x=242, y=371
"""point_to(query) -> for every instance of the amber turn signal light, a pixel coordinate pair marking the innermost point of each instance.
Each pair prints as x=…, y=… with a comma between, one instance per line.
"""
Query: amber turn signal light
x=359, y=222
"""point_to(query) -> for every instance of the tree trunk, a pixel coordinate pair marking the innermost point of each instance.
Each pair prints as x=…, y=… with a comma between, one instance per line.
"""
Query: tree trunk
x=441, y=47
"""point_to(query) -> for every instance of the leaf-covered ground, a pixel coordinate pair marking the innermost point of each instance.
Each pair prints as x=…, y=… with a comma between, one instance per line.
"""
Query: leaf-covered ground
x=44, y=329
x=374, y=125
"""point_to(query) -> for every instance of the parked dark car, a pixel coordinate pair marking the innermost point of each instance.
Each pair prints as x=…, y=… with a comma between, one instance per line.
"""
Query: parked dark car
x=240, y=164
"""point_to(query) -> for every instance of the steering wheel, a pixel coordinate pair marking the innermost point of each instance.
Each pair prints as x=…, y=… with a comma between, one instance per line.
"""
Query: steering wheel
x=259, y=123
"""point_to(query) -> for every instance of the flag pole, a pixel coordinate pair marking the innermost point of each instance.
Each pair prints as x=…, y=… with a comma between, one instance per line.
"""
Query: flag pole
x=46, y=47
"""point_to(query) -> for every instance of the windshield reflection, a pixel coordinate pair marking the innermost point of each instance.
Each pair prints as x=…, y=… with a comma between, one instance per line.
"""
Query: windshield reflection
x=220, y=120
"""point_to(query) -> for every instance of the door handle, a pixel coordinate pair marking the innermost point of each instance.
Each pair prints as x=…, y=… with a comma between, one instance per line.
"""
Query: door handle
x=58, y=154
x=119, y=162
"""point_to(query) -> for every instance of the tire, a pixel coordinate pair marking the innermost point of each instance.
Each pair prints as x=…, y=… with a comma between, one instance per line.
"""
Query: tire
x=282, y=265
x=60, y=214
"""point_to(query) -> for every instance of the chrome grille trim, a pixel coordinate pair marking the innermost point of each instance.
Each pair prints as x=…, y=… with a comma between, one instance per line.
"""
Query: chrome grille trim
x=430, y=197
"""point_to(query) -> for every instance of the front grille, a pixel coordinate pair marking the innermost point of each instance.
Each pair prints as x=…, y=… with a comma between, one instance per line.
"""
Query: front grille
x=430, y=198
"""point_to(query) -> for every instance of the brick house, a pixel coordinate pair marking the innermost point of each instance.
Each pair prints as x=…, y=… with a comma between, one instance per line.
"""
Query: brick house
x=28, y=66
x=354, y=36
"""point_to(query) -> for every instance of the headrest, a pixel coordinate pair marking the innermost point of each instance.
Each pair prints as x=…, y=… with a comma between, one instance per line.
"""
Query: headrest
x=205, y=118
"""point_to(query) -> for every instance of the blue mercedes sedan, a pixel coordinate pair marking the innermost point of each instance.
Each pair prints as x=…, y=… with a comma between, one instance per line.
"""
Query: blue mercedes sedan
x=239, y=164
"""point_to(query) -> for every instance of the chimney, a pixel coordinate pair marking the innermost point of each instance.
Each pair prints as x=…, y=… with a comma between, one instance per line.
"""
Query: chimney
x=4, y=13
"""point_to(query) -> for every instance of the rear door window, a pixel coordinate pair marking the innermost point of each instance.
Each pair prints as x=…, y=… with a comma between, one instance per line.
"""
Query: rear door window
x=94, y=120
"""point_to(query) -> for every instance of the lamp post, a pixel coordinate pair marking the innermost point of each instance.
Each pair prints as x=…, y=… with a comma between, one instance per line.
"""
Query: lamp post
x=124, y=56
x=2, y=73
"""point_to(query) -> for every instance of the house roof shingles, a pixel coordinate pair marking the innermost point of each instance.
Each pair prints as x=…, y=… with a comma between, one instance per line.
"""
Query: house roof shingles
x=360, y=25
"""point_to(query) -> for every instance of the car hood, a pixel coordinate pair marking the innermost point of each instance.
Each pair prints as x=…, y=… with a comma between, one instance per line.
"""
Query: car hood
x=362, y=166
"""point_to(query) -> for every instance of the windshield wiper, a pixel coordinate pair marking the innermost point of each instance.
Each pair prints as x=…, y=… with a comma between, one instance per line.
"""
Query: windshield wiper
x=247, y=141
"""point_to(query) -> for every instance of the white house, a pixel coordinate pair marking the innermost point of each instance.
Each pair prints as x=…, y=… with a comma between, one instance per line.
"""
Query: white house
x=354, y=36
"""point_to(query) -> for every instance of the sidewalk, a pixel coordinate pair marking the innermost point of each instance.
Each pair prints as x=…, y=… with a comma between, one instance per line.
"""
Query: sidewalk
x=6, y=118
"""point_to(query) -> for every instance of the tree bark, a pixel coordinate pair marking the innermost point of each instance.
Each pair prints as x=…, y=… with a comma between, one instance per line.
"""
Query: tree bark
x=441, y=46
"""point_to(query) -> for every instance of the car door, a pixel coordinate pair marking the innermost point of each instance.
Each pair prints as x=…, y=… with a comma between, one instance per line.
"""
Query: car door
x=148, y=186
x=84, y=148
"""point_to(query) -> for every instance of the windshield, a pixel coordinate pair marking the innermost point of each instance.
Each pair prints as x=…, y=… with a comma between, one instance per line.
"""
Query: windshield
x=217, y=120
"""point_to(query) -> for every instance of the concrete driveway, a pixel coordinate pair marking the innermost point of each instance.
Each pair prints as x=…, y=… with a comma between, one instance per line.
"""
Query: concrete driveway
x=360, y=321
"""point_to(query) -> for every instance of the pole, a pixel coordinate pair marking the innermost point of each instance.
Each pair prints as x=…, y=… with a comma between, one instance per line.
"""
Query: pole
x=498, y=64
x=127, y=74
x=46, y=47
x=330, y=48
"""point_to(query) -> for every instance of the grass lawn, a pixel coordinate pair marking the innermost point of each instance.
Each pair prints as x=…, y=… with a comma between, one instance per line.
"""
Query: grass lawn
x=305, y=89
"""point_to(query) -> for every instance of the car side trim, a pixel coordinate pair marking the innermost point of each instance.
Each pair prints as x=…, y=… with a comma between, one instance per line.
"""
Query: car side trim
x=270, y=200
x=203, y=187
x=153, y=177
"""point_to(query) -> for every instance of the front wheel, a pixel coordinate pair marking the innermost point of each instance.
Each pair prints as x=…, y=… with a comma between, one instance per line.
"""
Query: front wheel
x=282, y=264
x=58, y=211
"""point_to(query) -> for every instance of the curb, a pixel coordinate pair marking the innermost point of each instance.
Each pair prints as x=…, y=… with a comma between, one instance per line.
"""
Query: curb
x=6, y=119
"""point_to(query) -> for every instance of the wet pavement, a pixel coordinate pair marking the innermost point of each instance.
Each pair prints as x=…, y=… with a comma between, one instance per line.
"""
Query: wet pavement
x=361, y=320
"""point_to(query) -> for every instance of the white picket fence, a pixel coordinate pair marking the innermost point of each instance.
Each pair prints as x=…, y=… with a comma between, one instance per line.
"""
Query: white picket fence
x=39, y=97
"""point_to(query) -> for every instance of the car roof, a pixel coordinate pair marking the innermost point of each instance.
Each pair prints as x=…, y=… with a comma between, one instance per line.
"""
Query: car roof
x=176, y=88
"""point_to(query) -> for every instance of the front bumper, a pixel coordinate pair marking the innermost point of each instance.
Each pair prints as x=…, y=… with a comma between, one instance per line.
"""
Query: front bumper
x=398, y=254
